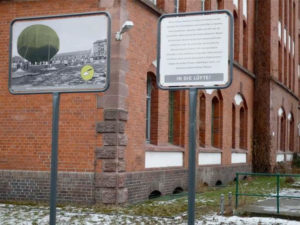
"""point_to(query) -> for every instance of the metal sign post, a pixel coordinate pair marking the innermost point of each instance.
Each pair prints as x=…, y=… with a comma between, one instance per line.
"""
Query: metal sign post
x=192, y=155
x=54, y=156
x=195, y=51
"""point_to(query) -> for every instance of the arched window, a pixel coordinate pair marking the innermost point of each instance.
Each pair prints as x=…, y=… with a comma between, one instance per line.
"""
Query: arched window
x=291, y=133
x=282, y=130
x=242, y=112
x=236, y=36
x=233, y=127
x=202, y=119
x=176, y=117
x=245, y=45
x=216, y=122
x=151, y=109
x=243, y=128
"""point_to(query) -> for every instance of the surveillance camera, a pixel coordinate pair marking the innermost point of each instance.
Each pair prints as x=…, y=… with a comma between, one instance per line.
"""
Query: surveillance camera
x=126, y=26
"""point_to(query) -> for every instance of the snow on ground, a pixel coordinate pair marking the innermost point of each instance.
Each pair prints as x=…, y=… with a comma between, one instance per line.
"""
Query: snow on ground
x=39, y=215
x=235, y=220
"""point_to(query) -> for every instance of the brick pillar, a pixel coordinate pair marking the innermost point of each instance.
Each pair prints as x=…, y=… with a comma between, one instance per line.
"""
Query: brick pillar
x=110, y=183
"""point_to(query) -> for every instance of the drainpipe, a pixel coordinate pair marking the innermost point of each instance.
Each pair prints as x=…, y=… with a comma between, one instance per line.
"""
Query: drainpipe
x=176, y=6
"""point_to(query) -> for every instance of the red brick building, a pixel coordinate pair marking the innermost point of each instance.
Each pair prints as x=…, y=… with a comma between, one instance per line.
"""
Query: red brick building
x=132, y=140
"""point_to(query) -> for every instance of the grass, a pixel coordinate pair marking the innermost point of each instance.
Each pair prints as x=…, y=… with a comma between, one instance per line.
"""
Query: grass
x=175, y=206
x=207, y=199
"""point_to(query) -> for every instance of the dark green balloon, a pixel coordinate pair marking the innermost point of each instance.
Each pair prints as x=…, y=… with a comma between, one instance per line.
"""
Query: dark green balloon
x=38, y=43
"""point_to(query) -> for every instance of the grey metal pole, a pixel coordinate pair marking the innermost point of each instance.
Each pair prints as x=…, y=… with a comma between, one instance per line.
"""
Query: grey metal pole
x=176, y=10
x=192, y=155
x=54, y=154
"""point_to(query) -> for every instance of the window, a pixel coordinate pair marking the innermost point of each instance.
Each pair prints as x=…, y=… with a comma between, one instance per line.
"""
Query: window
x=236, y=36
x=291, y=133
x=233, y=127
x=176, y=117
x=216, y=123
x=245, y=45
x=282, y=131
x=243, y=128
x=151, y=110
x=279, y=62
x=202, y=119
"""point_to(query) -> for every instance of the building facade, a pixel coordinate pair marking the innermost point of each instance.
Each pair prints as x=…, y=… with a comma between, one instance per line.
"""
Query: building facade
x=123, y=145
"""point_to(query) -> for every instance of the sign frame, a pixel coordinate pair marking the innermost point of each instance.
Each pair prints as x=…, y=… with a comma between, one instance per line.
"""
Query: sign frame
x=230, y=51
x=62, y=90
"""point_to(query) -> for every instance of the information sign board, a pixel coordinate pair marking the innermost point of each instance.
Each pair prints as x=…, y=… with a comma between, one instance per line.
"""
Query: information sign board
x=64, y=53
x=195, y=50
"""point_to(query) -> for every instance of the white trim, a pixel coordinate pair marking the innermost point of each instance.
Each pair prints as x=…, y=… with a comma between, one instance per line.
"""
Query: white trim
x=289, y=157
x=280, y=157
x=290, y=116
x=153, y=1
x=279, y=29
x=236, y=3
x=280, y=112
x=284, y=36
x=209, y=91
x=163, y=159
x=238, y=158
x=245, y=2
x=206, y=158
x=238, y=99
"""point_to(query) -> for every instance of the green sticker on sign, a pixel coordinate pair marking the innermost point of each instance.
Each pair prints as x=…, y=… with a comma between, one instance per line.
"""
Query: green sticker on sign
x=87, y=72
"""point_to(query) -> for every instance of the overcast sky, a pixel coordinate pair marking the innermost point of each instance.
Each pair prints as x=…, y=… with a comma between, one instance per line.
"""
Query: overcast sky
x=75, y=34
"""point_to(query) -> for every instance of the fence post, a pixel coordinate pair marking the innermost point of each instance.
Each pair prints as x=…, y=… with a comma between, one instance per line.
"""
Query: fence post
x=237, y=190
x=222, y=205
x=278, y=189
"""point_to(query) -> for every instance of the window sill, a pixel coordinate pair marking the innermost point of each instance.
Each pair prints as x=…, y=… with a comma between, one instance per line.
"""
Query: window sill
x=239, y=150
x=163, y=148
x=210, y=150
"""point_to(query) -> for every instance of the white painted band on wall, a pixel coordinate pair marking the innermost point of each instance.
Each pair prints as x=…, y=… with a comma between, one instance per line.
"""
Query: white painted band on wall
x=206, y=158
x=163, y=159
x=289, y=157
x=280, y=157
x=238, y=157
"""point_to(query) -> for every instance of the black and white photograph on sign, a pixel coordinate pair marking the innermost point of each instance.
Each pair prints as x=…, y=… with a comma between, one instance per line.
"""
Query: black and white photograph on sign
x=194, y=50
x=65, y=54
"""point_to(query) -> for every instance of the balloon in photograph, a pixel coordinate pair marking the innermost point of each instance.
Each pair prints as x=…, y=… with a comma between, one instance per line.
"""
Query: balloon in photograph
x=38, y=43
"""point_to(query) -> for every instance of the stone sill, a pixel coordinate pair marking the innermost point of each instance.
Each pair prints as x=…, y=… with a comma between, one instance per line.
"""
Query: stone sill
x=239, y=150
x=163, y=148
x=210, y=150
x=165, y=168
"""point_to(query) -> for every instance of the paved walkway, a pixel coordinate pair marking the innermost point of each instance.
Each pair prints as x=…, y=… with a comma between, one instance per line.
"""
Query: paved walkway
x=289, y=207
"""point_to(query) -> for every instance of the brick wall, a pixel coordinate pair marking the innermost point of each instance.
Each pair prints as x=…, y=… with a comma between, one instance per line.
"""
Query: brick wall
x=26, y=120
x=35, y=186
x=141, y=184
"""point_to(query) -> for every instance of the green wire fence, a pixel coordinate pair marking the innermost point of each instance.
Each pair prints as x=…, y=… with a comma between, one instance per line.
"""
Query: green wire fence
x=277, y=195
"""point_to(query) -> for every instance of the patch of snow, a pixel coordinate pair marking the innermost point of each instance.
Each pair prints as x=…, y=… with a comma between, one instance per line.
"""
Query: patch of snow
x=235, y=220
